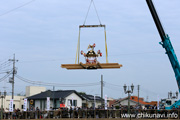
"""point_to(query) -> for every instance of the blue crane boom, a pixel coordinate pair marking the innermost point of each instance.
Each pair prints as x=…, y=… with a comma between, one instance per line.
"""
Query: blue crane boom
x=166, y=43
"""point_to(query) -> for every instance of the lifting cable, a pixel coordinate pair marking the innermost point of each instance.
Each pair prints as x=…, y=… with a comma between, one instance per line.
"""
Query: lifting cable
x=87, y=26
x=88, y=12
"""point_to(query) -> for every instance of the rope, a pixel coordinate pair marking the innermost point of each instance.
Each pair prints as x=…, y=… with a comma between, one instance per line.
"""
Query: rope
x=78, y=48
x=106, y=45
x=88, y=12
x=95, y=10
x=17, y=8
x=78, y=44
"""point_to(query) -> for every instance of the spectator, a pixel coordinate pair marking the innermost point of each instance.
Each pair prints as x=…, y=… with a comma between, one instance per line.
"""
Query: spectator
x=120, y=106
x=155, y=107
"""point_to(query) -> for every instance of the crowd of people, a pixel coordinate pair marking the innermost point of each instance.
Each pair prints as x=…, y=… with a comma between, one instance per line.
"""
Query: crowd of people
x=77, y=112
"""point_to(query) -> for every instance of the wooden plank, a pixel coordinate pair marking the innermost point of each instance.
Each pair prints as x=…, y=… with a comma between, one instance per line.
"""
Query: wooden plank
x=92, y=66
x=87, y=26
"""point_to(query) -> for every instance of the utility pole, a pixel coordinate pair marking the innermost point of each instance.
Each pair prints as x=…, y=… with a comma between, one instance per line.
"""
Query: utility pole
x=2, y=95
x=138, y=94
x=14, y=72
x=147, y=98
x=102, y=90
x=53, y=97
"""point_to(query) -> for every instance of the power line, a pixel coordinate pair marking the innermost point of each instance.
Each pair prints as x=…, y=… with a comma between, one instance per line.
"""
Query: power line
x=150, y=92
x=45, y=60
x=4, y=72
x=17, y=8
x=56, y=84
x=4, y=64
x=3, y=78
x=106, y=83
x=53, y=60
x=5, y=59
x=2, y=67
x=116, y=89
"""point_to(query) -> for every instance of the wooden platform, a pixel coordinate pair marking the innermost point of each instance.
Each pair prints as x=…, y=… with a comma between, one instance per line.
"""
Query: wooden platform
x=91, y=66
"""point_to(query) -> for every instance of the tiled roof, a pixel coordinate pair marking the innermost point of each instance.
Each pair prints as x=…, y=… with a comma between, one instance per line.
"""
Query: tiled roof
x=53, y=94
x=111, y=102
x=91, y=97
x=135, y=98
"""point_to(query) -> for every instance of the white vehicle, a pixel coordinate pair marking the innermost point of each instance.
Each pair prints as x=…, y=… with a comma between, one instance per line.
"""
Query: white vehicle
x=169, y=102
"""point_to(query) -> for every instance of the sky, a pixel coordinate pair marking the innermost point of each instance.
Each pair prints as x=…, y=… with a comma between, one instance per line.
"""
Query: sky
x=43, y=34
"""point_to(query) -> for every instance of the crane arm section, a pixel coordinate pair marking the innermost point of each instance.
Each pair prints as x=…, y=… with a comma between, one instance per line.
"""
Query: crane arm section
x=166, y=43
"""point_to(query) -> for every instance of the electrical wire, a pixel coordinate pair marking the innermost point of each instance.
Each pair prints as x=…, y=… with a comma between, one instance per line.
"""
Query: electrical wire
x=2, y=67
x=4, y=72
x=56, y=84
x=106, y=83
x=116, y=89
x=5, y=59
x=17, y=8
x=4, y=63
x=53, y=60
x=150, y=92
x=3, y=78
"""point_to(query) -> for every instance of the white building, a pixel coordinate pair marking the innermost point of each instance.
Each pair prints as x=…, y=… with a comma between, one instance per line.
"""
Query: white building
x=133, y=102
x=32, y=90
x=19, y=100
x=90, y=100
x=64, y=97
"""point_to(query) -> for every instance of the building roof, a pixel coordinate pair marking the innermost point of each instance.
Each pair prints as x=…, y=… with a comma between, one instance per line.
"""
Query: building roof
x=112, y=102
x=135, y=99
x=91, y=97
x=141, y=100
x=53, y=94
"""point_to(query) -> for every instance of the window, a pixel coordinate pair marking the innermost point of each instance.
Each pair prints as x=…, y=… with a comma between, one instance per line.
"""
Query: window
x=84, y=105
x=22, y=106
x=93, y=105
x=74, y=102
x=168, y=102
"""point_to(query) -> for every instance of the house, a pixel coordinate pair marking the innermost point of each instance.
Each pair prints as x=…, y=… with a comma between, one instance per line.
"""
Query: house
x=89, y=101
x=18, y=101
x=124, y=102
x=134, y=101
x=111, y=102
x=141, y=100
x=66, y=97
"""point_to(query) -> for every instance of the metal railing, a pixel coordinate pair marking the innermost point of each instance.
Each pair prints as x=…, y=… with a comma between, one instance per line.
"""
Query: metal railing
x=81, y=113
